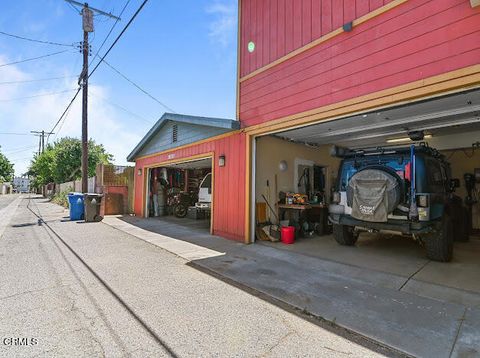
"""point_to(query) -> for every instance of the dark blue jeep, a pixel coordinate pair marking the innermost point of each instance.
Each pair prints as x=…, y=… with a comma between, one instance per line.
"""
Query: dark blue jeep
x=405, y=190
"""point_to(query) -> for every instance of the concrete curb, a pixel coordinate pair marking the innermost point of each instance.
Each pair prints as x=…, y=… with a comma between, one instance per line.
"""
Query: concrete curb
x=185, y=250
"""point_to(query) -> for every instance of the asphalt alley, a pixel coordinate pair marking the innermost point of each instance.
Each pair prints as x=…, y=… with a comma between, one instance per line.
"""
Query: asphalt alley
x=81, y=289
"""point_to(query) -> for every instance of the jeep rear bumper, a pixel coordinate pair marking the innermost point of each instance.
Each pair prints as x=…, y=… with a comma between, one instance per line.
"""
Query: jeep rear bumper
x=402, y=226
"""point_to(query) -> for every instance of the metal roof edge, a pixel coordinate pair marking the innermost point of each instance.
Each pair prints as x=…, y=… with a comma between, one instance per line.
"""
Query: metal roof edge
x=229, y=124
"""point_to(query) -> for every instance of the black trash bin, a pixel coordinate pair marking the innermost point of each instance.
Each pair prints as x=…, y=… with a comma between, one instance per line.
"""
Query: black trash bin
x=92, y=202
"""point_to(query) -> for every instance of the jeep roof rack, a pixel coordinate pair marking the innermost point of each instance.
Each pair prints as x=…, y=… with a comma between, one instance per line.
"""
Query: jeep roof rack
x=422, y=147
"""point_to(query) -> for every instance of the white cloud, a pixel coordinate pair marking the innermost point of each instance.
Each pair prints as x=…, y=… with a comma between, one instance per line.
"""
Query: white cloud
x=224, y=26
x=8, y=74
x=107, y=125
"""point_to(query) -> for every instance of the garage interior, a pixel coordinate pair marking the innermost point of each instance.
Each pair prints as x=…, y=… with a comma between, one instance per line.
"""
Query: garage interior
x=174, y=195
x=295, y=166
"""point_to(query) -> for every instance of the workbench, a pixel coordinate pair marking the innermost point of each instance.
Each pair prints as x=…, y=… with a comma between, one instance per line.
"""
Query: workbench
x=306, y=212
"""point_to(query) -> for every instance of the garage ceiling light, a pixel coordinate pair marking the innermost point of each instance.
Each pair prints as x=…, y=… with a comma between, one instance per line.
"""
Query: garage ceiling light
x=405, y=139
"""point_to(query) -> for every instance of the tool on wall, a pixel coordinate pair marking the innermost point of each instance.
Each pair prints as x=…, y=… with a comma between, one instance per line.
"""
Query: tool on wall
x=471, y=198
x=306, y=181
x=271, y=209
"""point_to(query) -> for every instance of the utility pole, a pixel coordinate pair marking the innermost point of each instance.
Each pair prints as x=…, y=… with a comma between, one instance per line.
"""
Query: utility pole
x=87, y=17
x=87, y=25
x=41, y=140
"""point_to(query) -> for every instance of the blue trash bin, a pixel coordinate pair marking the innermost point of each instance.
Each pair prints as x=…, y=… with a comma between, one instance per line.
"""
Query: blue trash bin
x=75, y=202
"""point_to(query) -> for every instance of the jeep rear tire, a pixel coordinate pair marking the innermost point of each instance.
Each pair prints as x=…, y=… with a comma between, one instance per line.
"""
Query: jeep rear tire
x=439, y=243
x=344, y=235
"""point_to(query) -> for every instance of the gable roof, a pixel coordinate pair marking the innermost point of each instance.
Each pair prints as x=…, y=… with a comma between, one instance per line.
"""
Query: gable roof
x=217, y=123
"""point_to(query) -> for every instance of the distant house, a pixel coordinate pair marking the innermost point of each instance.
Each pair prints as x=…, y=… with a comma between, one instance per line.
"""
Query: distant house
x=21, y=184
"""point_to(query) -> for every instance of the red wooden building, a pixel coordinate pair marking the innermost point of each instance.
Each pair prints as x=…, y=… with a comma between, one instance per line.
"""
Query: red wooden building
x=317, y=72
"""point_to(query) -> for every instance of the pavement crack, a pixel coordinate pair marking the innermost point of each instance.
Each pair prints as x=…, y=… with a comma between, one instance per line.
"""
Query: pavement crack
x=32, y=291
x=462, y=319
x=279, y=342
x=337, y=351
x=413, y=274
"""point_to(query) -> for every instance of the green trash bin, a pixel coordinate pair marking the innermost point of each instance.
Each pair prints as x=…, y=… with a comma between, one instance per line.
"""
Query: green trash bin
x=92, y=202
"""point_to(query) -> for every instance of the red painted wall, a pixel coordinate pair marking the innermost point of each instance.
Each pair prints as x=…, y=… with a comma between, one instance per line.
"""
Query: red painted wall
x=278, y=27
x=229, y=182
x=416, y=40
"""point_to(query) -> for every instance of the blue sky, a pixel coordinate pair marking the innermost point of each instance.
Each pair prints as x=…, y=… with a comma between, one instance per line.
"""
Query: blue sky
x=182, y=52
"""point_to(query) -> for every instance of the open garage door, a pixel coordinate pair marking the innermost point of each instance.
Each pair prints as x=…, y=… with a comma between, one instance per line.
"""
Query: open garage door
x=182, y=193
x=295, y=166
x=449, y=122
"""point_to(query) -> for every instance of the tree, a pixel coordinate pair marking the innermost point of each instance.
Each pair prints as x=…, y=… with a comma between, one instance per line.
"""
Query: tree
x=6, y=169
x=61, y=162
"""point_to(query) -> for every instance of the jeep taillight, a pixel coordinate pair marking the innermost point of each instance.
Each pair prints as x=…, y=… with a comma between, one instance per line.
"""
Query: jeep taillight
x=422, y=201
x=336, y=197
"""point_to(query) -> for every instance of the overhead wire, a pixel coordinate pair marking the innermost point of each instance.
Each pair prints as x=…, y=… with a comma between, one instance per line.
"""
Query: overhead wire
x=62, y=123
x=98, y=64
x=121, y=74
x=110, y=32
x=35, y=80
x=140, y=88
x=38, y=95
x=119, y=107
x=20, y=150
x=13, y=133
x=38, y=41
x=65, y=111
x=118, y=37
x=74, y=8
x=33, y=58
x=18, y=159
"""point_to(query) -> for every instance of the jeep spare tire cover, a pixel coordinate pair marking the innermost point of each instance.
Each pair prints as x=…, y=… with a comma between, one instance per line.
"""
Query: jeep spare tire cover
x=373, y=194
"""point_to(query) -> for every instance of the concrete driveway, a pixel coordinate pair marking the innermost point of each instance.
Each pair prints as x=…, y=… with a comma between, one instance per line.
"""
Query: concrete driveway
x=456, y=281
x=383, y=288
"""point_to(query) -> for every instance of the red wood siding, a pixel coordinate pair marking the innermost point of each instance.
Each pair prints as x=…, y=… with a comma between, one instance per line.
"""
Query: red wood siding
x=416, y=40
x=278, y=27
x=229, y=182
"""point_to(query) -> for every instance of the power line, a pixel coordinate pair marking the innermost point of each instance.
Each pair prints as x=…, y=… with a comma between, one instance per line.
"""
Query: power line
x=121, y=107
x=118, y=37
x=18, y=159
x=38, y=41
x=65, y=111
x=98, y=64
x=111, y=29
x=35, y=80
x=74, y=8
x=12, y=133
x=121, y=74
x=140, y=88
x=61, y=123
x=19, y=150
x=34, y=58
x=35, y=96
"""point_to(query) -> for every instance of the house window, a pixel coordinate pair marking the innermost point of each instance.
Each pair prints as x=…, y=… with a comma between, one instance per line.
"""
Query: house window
x=174, y=133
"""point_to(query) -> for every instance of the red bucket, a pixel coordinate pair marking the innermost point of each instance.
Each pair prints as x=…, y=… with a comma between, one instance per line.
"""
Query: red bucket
x=288, y=234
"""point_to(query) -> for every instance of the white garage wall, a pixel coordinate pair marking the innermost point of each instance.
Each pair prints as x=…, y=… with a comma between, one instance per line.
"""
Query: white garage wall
x=453, y=141
x=271, y=150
